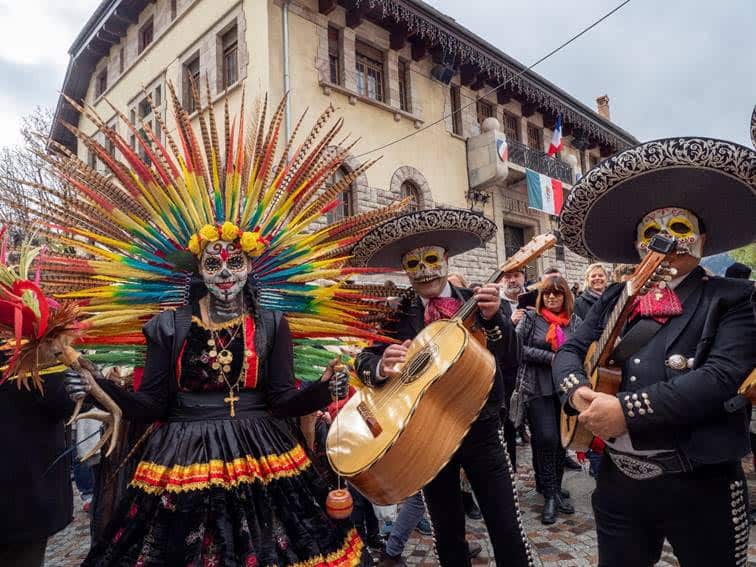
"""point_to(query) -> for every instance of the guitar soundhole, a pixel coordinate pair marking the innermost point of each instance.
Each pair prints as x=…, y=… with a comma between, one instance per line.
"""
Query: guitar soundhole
x=418, y=363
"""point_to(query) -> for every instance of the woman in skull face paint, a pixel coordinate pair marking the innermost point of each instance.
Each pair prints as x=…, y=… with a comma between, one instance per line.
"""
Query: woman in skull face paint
x=223, y=481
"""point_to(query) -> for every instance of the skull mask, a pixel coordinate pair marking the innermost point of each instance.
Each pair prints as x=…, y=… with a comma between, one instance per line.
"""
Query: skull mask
x=427, y=268
x=224, y=267
x=680, y=224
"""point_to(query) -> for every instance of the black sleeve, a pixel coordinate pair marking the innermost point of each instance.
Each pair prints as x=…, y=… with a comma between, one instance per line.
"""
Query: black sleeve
x=567, y=369
x=367, y=361
x=531, y=354
x=699, y=394
x=151, y=401
x=503, y=341
x=54, y=400
x=283, y=397
x=581, y=307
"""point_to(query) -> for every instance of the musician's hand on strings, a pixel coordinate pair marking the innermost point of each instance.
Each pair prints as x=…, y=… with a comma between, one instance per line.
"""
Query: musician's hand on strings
x=393, y=357
x=488, y=300
x=604, y=417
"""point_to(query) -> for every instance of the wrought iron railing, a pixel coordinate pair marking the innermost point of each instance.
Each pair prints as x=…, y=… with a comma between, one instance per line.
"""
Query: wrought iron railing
x=539, y=161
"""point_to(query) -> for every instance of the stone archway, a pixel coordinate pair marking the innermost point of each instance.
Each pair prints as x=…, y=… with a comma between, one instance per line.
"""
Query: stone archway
x=409, y=173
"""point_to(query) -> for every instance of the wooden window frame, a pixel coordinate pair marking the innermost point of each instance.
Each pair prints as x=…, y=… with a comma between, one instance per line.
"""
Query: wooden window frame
x=369, y=66
x=410, y=189
x=405, y=99
x=101, y=82
x=121, y=60
x=532, y=128
x=188, y=76
x=174, y=9
x=334, y=55
x=506, y=116
x=144, y=40
x=229, y=57
x=456, y=109
x=489, y=107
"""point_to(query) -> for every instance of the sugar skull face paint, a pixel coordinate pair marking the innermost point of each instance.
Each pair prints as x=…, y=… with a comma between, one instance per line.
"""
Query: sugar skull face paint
x=224, y=268
x=680, y=224
x=427, y=268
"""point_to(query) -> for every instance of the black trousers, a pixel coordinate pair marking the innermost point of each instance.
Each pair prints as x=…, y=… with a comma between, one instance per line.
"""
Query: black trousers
x=510, y=437
x=548, y=454
x=29, y=554
x=486, y=463
x=703, y=514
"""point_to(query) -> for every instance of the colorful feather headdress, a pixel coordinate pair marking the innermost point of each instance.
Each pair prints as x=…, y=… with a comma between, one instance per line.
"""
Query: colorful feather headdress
x=137, y=225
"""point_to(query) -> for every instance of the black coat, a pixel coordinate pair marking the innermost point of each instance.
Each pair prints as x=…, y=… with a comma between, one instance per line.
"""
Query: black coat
x=583, y=304
x=683, y=409
x=410, y=322
x=34, y=505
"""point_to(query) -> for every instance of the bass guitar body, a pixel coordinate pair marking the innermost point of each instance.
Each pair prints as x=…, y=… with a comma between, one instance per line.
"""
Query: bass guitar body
x=604, y=379
x=392, y=440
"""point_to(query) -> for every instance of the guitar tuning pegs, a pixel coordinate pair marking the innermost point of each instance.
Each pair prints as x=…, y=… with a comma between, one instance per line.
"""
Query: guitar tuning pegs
x=662, y=284
x=672, y=272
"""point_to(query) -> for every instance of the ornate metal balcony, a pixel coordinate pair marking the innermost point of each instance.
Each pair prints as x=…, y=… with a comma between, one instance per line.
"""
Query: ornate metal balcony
x=538, y=161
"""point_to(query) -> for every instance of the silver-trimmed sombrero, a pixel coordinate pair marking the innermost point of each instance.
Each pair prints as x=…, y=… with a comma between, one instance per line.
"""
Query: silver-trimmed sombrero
x=712, y=178
x=456, y=230
x=753, y=126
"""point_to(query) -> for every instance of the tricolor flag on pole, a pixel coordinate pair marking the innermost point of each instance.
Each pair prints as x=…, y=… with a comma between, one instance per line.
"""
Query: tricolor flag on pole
x=556, y=140
x=544, y=193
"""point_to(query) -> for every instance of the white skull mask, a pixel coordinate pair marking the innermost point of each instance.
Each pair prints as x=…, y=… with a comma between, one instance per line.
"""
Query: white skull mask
x=680, y=224
x=224, y=268
x=427, y=269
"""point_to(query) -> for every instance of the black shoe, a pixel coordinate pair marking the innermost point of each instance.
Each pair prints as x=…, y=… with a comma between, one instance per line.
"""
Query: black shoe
x=564, y=505
x=564, y=493
x=375, y=541
x=548, y=515
x=391, y=561
x=473, y=549
x=571, y=463
x=471, y=508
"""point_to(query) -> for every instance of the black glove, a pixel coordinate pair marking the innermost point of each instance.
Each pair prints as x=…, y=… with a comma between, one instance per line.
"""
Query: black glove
x=76, y=386
x=338, y=385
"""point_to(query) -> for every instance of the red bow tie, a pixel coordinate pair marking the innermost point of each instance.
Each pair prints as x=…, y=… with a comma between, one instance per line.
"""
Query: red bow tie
x=441, y=308
x=659, y=304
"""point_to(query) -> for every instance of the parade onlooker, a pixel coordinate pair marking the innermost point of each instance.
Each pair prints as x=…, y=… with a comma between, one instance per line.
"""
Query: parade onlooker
x=596, y=280
x=551, y=272
x=542, y=332
x=37, y=494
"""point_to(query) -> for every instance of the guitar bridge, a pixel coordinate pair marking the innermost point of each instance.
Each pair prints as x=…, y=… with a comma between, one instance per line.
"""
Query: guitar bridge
x=367, y=415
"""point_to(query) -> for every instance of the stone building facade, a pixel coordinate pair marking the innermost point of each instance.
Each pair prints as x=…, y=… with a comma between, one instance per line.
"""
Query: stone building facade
x=410, y=82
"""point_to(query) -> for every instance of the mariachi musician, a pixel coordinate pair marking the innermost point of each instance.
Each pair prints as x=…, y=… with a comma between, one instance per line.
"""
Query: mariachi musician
x=421, y=243
x=674, y=443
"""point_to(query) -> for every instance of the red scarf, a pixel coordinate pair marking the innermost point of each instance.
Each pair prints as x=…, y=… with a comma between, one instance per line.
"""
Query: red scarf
x=557, y=321
x=441, y=308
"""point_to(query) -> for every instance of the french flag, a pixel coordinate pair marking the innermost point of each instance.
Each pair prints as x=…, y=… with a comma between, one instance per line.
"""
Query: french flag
x=556, y=140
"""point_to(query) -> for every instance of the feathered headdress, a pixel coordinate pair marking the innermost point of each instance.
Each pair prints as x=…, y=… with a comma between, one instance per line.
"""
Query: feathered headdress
x=139, y=222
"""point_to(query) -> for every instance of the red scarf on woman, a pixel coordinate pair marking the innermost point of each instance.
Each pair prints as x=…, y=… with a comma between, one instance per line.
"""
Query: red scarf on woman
x=555, y=335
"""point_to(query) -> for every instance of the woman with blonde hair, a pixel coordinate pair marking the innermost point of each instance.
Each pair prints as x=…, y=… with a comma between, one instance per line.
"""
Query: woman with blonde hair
x=596, y=281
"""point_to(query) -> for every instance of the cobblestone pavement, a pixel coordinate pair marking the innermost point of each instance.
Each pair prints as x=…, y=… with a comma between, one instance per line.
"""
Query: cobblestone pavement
x=571, y=542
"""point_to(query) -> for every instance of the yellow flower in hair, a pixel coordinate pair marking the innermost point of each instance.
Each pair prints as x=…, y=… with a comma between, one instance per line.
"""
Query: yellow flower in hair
x=209, y=233
x=194, y=246
x=229, y=231
x=252, y=244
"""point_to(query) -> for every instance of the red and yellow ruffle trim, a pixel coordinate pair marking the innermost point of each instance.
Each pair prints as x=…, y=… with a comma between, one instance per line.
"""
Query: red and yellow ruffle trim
x=154, y=478
x=348, y=555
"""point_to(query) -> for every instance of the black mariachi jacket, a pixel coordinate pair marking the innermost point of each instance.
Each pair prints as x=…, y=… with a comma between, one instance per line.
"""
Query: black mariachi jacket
x=682, y=409
x=166, y=333
x=506, y=350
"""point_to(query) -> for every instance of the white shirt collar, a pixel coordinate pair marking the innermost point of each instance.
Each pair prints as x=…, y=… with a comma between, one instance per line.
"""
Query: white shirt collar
x=446, y=292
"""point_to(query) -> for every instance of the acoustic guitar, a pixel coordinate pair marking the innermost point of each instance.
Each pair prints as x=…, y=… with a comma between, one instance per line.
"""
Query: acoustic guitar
x=395, y=439
x=602, y=372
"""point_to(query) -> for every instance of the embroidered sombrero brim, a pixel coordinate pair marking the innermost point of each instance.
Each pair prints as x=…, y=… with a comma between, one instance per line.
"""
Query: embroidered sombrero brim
x=753, y=127
x=456, y=230
x=714, y=179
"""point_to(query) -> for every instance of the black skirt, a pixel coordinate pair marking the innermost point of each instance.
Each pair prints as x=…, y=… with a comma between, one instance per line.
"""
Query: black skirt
x=221, y=491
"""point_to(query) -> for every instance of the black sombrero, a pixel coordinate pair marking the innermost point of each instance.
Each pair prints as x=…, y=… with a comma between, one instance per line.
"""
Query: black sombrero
x=753, y=127
x=714, y=179
x=456, y=230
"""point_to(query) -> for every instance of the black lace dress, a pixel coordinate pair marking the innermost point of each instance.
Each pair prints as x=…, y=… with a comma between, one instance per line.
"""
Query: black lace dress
x=215, y=490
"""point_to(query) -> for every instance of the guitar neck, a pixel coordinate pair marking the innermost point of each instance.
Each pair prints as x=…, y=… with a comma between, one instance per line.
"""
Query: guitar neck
x=470, y=306
x=614, y=324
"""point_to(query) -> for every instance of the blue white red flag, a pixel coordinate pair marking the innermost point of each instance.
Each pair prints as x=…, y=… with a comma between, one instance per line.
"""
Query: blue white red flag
x=502, y=149
x=556, y=140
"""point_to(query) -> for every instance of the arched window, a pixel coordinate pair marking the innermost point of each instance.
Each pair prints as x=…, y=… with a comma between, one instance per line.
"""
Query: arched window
x=412, y=191
x=345, y=206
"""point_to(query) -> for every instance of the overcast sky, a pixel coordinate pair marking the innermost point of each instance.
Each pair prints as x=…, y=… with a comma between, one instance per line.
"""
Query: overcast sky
x=672, y=67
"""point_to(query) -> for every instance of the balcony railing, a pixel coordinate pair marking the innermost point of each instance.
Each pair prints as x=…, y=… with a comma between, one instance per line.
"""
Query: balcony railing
x=539, y=161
